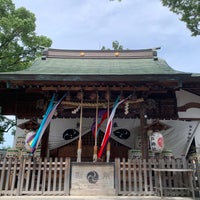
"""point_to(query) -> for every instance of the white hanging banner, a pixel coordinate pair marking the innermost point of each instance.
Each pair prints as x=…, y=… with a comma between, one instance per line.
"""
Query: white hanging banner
x=157, y=142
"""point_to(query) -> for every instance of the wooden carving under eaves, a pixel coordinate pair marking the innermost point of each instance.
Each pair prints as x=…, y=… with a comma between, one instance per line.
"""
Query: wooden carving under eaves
x=70, y=104
x=157, y=126
x=29, y=125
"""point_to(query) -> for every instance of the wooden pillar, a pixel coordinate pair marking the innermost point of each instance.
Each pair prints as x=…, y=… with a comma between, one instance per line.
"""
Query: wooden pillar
x=144, y=136
x=45, y=143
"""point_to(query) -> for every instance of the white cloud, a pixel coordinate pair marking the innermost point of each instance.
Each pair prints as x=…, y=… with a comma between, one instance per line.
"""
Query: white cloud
x=90, y=24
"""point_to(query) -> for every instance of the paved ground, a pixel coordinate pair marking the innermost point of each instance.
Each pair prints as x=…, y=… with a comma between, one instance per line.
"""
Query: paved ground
x=90, y=198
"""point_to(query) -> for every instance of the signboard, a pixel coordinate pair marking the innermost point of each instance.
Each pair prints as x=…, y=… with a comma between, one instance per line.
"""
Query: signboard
x=92, y=179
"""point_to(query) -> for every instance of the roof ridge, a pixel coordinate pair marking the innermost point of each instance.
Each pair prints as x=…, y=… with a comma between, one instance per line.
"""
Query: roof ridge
x=104, y=54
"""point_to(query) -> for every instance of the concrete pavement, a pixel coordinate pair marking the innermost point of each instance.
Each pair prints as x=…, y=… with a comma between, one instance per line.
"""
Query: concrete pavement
x=91, y=198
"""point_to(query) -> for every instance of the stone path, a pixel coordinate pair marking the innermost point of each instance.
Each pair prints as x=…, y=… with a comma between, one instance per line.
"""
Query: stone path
x=91, y=198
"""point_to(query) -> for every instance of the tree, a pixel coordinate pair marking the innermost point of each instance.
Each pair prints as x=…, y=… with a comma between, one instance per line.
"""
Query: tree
x=189, y=10
x=115, y=46
x=6, y=125
x=19, y=44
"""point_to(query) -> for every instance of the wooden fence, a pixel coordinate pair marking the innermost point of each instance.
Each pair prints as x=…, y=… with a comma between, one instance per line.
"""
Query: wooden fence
x=34, y=176
x=196, y=176
x=137, y=177
x=51, y=176
x=134, y=177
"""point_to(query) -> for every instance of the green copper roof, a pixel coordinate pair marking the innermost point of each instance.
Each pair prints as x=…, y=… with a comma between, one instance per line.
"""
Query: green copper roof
x=97, y=65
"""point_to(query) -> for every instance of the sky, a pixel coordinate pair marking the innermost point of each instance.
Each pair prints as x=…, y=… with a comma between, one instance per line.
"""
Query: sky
x=8, y=137
x=135, y=24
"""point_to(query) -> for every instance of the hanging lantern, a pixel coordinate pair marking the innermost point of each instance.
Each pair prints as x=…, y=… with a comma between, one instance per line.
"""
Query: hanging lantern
x=30, y=135
x=157, y=142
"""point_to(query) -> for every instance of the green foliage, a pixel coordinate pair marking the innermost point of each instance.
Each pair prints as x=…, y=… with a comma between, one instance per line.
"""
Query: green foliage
x=6, y=147
x=115, y=46
x=19, y=44
x=5, y=125
x=189, y=10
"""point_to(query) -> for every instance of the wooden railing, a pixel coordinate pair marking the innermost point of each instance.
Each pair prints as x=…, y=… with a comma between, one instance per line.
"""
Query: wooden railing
x=51, y=176
x=196, y=176
x=34, y=176
x=137, y=177
x=134, y=177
